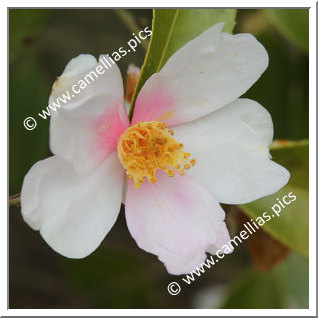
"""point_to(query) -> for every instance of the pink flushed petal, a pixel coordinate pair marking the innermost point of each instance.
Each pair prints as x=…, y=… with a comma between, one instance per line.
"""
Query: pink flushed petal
x=109, y=127
x=176, y=219
x=153, y=105
x=207, y=73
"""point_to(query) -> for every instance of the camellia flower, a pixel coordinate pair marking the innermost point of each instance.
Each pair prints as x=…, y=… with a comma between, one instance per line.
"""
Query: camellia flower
x=217, y=151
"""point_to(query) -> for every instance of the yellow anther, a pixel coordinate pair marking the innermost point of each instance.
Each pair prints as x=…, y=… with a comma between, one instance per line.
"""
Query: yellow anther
x=170, y=173
x=153, y=180
x=193, y=162
x=148, y=146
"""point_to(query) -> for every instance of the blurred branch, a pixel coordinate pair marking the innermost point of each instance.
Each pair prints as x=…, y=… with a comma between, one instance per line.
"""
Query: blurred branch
x=130, y=23
x=253, y=22
x=14, y=200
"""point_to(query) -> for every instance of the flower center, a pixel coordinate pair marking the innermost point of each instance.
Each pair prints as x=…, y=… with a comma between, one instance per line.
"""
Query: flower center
x=148, y=146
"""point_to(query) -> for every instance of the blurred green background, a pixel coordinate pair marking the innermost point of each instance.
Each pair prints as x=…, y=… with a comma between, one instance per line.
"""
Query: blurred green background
x=118, y=274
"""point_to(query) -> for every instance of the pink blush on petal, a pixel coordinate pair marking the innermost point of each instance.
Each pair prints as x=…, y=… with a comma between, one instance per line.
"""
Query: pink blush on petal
x=153, y=106
x=109, y=127
x=176, y=219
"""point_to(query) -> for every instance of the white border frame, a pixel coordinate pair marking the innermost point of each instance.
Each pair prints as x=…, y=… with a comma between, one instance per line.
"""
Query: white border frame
x=163, y=312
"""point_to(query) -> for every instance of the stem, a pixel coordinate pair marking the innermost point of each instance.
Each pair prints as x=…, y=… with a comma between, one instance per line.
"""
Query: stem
x=14, y=200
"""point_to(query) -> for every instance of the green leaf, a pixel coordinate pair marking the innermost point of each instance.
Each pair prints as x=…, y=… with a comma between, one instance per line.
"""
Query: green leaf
x=292, y=226
x=173, y=28
x=293, y=24
x=286, y=286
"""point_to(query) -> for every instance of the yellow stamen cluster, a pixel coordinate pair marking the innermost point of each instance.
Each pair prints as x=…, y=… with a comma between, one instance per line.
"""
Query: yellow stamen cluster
x=148, y=146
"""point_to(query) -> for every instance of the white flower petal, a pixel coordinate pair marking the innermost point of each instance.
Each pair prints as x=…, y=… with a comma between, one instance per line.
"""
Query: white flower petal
x=223, y=239
x=207, y=73
x=175, y=219
x=85, y=130
x=231, y=147
x=73, y=212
